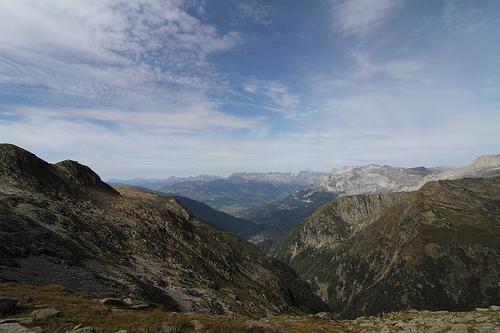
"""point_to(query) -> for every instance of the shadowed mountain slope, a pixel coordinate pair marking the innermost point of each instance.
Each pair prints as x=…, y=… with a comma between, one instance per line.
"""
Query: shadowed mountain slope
x=60, y=224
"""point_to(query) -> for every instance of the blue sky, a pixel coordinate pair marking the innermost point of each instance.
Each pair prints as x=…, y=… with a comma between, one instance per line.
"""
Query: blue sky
x=152, y=88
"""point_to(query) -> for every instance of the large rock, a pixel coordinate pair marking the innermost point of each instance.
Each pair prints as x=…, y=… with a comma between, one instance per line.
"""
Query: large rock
x=7, y=304
x=42, y=315
x=14, y=328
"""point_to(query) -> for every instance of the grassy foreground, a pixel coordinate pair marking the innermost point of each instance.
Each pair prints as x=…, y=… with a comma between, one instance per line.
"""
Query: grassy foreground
x=76, y=308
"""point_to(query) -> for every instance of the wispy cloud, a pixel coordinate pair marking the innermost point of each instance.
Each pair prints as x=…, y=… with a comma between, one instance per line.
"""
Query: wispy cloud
x=274, y=95
x=359, y=17
x=399, y=69
x=140, y=57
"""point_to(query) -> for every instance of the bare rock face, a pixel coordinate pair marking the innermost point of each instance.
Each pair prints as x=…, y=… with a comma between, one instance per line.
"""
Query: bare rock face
x=60, y=224
x=437, y=248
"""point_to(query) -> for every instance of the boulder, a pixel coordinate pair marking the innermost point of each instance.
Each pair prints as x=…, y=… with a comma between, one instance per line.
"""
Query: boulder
x=7, y=304
x=42, y=315
x=324, y=315
x=14, y=328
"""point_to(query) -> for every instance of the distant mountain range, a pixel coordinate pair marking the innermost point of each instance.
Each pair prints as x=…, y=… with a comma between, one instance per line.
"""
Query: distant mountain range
x=232, y=194
x=60, y=224
x=436, y=248
x=157, y=184
x=283, y=214
x=266, y=205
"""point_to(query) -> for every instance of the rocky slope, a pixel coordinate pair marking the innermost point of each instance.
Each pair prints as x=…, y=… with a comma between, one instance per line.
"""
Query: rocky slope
x=60, y=224
x=437, y=248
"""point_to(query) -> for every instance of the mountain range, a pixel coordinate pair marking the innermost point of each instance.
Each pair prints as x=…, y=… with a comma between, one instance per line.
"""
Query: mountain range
x=377, y=239
x=234, y=193
x=283, y=214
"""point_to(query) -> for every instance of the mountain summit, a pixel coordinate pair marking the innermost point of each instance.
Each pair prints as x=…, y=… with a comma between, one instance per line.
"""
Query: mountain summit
x=20, y=168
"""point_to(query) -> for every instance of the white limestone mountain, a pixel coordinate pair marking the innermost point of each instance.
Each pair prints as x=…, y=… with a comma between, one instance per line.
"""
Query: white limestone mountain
x=373, y=178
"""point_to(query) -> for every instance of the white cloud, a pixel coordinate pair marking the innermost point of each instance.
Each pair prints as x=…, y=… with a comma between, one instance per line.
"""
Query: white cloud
x=276, y=95
x=197, y=117
x=148, y=58
x=360, y=17
x=399, y=69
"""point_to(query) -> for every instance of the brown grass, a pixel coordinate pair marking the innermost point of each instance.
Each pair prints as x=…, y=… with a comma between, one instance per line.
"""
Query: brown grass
x=77, y=308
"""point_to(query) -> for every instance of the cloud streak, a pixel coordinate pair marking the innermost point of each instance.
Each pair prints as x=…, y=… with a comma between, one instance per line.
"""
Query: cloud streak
x=139, y=57
x=360, y=17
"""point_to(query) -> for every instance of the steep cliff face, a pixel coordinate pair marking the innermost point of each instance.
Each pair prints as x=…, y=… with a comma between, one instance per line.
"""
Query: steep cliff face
x=435, y=248
x=60, y=224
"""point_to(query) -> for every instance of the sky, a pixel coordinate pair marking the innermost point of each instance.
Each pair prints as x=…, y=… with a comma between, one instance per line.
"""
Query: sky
x=152, y=88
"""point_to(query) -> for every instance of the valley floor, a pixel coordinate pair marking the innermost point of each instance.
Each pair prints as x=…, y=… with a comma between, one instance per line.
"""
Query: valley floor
x=72, y=309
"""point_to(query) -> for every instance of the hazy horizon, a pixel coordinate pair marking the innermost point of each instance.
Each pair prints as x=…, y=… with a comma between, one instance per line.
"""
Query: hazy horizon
x=153, y=89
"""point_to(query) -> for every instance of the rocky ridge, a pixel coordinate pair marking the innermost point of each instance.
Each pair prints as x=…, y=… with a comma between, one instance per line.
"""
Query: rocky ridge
x=60, y=224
